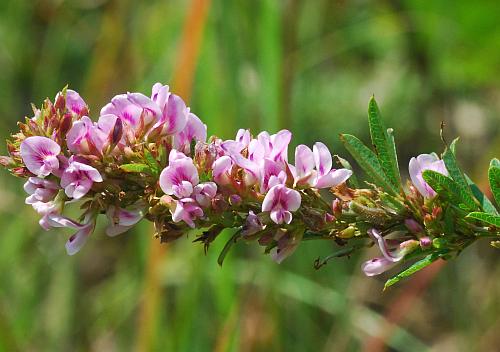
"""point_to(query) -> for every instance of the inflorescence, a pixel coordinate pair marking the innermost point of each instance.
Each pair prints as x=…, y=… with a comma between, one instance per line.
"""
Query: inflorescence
x=149, y=157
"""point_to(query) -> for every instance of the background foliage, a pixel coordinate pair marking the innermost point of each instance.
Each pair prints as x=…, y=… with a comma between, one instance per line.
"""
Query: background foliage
x=309, y=66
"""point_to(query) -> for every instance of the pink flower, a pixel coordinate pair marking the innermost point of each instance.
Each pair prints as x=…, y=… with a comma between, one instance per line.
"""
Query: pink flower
x=281, y=201
x=272, y=174
x=287, y=243
x=389, y=257
x=135, y=109
x=221, y=170
x=377, y=266
x=173, y=111
x=187, y=210
x=78, y=240
x=421, y=163
x=40, y=190
x=85, y=138
x=180, y=177
x=204, y=193
x=51, y=215
x=194, y=130
x=315, y=167
x=253, y=224
x=39, y=154
x=121, y=220
x=74, y=102
x=78, y=179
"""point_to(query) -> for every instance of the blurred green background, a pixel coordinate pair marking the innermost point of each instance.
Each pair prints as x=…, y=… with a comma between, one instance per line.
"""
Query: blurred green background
x=309, y=66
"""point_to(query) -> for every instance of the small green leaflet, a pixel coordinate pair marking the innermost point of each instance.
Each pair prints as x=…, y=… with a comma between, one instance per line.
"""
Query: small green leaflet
x=494, y=177
x=136, y=168
x=368, y=161
x=486, y=204
x=413, y=269
x=486, y=218
x=384, y=144
x=452, y=166
x=448, y=188
x=152, y=162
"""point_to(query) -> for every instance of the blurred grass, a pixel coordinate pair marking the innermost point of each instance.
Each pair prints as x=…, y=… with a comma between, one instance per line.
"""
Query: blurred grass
x=306, y=66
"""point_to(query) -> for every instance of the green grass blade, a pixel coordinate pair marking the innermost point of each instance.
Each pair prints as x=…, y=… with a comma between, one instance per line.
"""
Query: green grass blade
x=448, y=188
x=384, y=144
x=368, y=161
x=494, y=177
x=486, y=218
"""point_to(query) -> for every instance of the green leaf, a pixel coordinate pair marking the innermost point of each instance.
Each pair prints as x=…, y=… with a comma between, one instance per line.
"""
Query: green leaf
x=484, y=217
x=368, y=161
x=452, y=166
x=383, y=141
x=428, y=260
x=228, y=246
x=486, y=204
x=447, y=188
x=494, y=177
x=136, y=168
x=152, y=162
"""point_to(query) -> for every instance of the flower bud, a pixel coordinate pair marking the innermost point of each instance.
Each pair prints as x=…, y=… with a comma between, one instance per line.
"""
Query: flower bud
x=234, y=200
x=337, y=207
x=347, y=233
x=413, y=226
x=425, y=242
x=65, y=124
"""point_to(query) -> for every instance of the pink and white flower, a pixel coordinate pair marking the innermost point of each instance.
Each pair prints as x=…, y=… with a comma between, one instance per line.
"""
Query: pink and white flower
x=40, y=190
x=187, y=210
x=78, y=179
x=221, y=170
x=121, y=220
x=39, y=154
x=421, y=163
x=74, y=102
x=180, y=177
x=194, y=130
x=389, y=257
x=78, y=240
x=173, y=115
x=281, y=201
x=315, y=167
x=204, y=193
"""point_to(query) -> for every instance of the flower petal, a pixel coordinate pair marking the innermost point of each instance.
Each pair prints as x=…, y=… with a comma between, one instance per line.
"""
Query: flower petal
x=322, y=158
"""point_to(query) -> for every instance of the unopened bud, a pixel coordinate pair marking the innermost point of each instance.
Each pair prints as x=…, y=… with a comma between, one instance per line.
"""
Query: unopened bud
x=413, y=226
x=337, y=207
x=425, y=242
x=116, y=134
x=65, y=124
x=436, y=212
x=60, y=102
x=347, y=233
x=329, y=217
x=234, y=200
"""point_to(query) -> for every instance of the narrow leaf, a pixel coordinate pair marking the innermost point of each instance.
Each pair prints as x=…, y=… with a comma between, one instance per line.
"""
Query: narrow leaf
x=136, y=168
x=412, y=269
x=494, y=177
x=486, y=204
x=152, y=162
x=383, y=144
x=452, y=166
x=447, y=188
x=368, y=161
x=486, y=218
x=228, y=246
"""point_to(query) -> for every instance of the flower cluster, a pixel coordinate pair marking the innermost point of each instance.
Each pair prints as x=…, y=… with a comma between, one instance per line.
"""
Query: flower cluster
x=149, y=157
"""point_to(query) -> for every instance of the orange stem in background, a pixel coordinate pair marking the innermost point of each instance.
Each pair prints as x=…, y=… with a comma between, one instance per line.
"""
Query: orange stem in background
x=182, y=84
